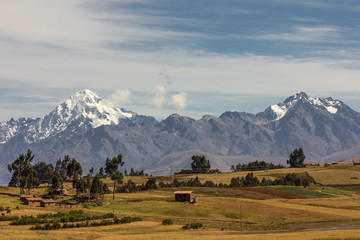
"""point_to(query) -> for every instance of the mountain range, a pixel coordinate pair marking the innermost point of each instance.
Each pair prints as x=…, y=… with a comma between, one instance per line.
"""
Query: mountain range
x=90, y=129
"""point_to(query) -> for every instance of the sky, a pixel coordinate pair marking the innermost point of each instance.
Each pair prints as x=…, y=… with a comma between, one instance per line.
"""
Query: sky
x=188, y=57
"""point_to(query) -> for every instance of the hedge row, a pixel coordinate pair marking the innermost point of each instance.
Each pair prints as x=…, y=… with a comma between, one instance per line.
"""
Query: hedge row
x=115, y=220
x=72, y=216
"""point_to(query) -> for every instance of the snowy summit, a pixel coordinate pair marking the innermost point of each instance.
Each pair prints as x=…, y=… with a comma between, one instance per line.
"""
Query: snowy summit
x=83, y=109
x=87, y=104
x=328, y=104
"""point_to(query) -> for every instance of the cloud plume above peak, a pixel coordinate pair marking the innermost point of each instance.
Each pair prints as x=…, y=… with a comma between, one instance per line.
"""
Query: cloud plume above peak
x=158, y=98
x=178, y=101
x=120, y=97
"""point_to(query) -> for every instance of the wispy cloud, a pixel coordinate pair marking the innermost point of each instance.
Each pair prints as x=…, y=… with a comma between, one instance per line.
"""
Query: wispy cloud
x=303, y=34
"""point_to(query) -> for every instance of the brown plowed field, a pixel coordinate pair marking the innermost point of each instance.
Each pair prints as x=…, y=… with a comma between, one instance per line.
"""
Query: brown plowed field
x=266, y=193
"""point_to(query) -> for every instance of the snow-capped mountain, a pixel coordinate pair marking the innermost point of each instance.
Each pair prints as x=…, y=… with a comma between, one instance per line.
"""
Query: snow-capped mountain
x=278, y=111
x=82, y=111
x=89, y=129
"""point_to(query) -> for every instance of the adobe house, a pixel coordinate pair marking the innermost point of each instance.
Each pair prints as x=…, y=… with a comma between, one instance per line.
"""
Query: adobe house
x=33, y=201
x=215, y=171
x=59, y=191
x=307, y=165
x=47, y=203
x=184, y=196
x=23, y=196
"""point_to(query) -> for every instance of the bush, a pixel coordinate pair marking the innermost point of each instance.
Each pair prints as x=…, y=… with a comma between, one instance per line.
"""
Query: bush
x=136, y=219
x=192, y=226
x=167, y=222
x=37, y=226
x=56, y=225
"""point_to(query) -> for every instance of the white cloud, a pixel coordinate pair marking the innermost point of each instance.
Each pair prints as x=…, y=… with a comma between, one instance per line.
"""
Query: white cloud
x=178, y=101
x=71, y=44
x=159, y=92
x=120, y=97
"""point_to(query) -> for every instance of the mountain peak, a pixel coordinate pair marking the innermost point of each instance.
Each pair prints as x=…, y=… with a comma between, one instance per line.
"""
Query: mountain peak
x=80, y=112
x=87, y=104
x=279, y=110
x=84, y=96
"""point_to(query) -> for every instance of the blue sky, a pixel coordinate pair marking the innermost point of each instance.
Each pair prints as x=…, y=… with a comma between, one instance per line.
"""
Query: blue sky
x=190, y=57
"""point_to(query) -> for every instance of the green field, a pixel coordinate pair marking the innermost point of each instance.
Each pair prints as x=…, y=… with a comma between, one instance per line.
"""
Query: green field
x=269, y=212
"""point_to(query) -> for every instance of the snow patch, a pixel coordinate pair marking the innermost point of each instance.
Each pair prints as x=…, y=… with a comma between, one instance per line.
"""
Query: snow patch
x=331, y=109
x=279, y=111
x=329, y=105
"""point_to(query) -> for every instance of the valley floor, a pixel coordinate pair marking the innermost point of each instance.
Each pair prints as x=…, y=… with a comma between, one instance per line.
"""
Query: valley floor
x=271, y=212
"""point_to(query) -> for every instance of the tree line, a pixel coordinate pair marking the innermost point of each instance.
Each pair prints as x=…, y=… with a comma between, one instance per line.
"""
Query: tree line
x=26, y=176
x=255, y=166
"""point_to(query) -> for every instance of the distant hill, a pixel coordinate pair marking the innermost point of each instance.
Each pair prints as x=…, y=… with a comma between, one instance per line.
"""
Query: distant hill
x=182, y=160
x=343, y=156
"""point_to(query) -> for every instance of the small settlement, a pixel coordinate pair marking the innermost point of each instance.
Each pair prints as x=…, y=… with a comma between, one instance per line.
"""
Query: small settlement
x=36, y=201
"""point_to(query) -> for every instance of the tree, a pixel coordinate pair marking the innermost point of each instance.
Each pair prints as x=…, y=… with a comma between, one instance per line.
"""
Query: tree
x=112, y=165
x=61, y=166
x=297, y=158
x=44, y=171
x=235, y=182
x=74, y=169
x=151, y=183
x=91, y=171
x=56, y=182
x=305, y=183
x=80, y=186
x=111, y=168
x=96, y=189
x=200, y=164
x=88, y=184
x=117, y=177
x=24, y=175
x=101, y=172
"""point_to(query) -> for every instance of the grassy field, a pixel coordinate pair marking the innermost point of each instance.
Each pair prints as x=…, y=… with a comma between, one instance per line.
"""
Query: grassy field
x=273, y=212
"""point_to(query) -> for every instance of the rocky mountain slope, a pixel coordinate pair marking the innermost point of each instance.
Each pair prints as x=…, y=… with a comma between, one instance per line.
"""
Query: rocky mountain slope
x=89, y=129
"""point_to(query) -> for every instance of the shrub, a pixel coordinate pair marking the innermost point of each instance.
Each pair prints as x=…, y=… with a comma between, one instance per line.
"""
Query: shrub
x=56, y=225
x=167, y=222
x=37, y=226
x=136, y=219
x=126, y=219
x=192, y=226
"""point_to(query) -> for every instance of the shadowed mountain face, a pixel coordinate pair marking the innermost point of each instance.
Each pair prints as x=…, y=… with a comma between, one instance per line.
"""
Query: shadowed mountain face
x=89, y=129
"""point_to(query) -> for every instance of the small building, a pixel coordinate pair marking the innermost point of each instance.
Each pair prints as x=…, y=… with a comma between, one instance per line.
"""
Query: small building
x=59, y=191
x=335, y=163
x=33, y=201
x=307, y=165
x=47, y=203
x=184, y=196
x=24, y=196
x=215, y=171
